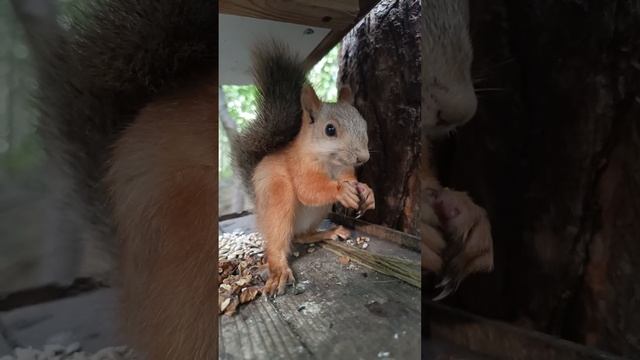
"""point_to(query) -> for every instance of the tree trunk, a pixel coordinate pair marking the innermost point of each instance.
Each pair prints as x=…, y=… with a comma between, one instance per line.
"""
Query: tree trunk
x=554, y=157
x=380, y=60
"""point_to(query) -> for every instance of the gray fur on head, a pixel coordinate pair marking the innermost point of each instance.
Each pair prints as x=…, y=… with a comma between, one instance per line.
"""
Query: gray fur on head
x=449, y=98
x=350, y=144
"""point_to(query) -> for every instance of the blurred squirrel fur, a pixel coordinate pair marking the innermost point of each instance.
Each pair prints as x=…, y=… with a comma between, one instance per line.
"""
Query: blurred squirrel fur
x=127, y=110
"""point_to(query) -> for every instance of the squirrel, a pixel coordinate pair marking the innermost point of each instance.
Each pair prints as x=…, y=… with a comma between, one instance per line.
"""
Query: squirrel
x=127, y=100
x=298, y=158
x=455, y=232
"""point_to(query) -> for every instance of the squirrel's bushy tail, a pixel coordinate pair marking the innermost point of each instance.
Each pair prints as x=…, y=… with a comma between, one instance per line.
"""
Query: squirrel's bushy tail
x=279, y=76
x=113, y=59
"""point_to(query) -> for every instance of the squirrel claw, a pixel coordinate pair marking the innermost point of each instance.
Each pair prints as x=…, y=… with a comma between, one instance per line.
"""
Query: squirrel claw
x=444, y=293
x=277, y=281
x=443, y=283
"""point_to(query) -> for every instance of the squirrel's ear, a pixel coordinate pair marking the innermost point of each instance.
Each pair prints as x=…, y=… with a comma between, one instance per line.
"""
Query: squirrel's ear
x=310, y=102
x=345, y=95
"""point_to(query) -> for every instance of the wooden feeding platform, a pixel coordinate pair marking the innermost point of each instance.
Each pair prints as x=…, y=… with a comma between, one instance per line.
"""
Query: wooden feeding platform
x=457, y=335
x=347, y=310
x=84, y=313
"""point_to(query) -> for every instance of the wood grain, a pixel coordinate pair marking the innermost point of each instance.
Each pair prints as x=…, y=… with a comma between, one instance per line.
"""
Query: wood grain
x=258, y=332
x=499, y=340
x=328, y=14
x=336, y=35
x=345, y=311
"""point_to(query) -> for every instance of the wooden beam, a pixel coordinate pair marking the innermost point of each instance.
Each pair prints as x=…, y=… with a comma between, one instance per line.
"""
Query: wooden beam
x=496, y=339
x=333, y=14
x=46, y=293
x=336, y=35
x=403, y=239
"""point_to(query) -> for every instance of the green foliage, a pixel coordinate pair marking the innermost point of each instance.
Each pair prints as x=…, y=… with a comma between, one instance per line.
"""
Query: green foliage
x=25, y=156
x=324, y=76
x=20, y=148
x=241, y=103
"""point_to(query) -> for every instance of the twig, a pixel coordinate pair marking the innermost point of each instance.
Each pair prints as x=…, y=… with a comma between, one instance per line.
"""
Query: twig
x=405, y=270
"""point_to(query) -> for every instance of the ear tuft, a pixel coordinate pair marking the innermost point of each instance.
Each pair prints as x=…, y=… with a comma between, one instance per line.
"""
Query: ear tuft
x=310, y=102
x=345, y=95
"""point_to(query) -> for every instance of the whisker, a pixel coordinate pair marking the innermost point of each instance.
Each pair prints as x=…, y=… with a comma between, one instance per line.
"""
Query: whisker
x=489, y=89
x=505, y=61
x=479, y=80
x=488, y=69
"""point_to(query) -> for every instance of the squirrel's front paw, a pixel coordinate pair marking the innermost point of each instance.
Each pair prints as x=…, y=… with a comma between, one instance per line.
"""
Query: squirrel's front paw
x=367, y=199
x=279, y=277
x=348, y=194
x=468, y=231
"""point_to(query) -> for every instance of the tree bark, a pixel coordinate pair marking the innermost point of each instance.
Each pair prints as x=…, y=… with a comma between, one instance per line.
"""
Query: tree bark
x=554, y=157
x=380, y=60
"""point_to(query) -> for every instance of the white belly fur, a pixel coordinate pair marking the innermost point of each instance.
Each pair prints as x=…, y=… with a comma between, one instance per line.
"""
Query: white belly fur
x=309, y=217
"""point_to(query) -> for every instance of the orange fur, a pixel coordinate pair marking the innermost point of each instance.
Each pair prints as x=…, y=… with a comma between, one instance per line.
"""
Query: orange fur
x=292, y=184
x=164, y=193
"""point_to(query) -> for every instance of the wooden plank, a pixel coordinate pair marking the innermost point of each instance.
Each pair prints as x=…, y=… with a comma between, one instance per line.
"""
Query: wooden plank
x=345, y=314
x=89, y=319
x=47, y=293
x=5, y=348
x=329, y=41
x=336, y=35
x=500, y=340
x=258, y=332
x=438, y=349
x=332, y=14
x=345, y=311
x=7, y=341
x=234, y=215
x=403, y=239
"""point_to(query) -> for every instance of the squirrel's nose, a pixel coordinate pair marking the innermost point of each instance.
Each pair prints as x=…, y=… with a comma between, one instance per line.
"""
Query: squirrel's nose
x=362, y=158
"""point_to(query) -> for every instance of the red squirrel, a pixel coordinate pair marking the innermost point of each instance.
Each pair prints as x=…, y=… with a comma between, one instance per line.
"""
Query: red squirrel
x=127, y=100
x=298, y=158
x=453, y=246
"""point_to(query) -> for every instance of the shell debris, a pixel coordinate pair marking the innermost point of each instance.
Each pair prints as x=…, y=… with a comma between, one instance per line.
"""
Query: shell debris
x=241, y=263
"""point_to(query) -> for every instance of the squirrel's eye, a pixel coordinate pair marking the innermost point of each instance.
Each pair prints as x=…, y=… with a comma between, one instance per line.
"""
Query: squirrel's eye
x=330, y=130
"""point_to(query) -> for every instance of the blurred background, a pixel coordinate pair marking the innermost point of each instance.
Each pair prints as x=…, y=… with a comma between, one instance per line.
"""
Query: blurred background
x=26, y=242
x=22, y=186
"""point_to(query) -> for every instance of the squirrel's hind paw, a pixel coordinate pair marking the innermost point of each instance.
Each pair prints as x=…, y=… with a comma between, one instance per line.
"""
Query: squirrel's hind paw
x=278, y=280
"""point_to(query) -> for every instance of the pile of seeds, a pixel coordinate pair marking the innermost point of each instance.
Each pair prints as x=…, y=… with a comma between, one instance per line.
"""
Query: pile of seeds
x=239, y=245
x=242, y=270
x=361, y=242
